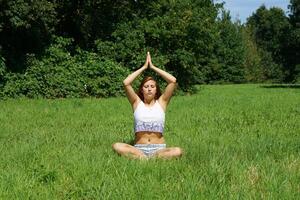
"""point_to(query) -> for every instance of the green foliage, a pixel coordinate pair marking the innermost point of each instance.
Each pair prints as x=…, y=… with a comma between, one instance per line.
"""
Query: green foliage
x=295, y=13
x=25, y=27
x=184, y=38
x=297, y=73
x=2, y=69
x=230, y=52
x=22, y=14
x=253, y=62
x=292, y=54
x=13, y=86
x=2, y=74
x=259, y=63
x=58, y=74
x=270, y=29
x=292, y=44
x=195, y=40
x=272, y=71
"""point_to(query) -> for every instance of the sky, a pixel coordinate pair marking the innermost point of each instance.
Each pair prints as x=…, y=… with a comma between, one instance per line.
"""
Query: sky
x=242, y=9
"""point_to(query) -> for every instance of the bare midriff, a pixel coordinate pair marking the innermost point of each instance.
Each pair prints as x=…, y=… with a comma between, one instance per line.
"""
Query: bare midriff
x=149, y=138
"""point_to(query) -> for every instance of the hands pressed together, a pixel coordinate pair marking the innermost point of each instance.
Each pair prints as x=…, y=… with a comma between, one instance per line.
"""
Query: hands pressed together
x=148, y=62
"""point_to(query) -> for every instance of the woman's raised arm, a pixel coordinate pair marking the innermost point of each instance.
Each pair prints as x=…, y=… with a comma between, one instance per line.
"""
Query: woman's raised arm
x=170, y=79
x=130, y=93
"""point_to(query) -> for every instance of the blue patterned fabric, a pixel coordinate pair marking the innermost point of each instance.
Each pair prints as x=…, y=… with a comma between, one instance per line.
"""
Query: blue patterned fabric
x=149, y=126
x=150, y=149
x=150, y=119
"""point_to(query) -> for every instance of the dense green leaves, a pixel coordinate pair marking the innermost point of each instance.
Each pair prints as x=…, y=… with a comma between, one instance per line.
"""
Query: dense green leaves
x=58, y=74
x=183, y=38
x=25, y=27
x=46, y=45
x=278, y=38
x=230, y=52
x=292, y=48
x=295, y=13
x=2, y=70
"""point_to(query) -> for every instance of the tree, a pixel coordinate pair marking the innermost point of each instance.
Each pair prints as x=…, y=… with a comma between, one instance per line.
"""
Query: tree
x=180, y=35
x=252, y=61
x=294, y=15
x=230, y=51
x=88, y=20
x=25, y=27
x=270, y=28
x=292, y=43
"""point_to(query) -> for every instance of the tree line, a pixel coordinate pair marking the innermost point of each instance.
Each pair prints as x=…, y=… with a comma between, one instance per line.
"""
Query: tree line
x=79, y=48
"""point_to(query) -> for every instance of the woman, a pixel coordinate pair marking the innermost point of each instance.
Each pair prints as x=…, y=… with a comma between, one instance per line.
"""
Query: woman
x=149, y=107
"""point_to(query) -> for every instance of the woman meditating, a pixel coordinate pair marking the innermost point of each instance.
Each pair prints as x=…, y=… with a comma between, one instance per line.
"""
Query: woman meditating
x=149, y=107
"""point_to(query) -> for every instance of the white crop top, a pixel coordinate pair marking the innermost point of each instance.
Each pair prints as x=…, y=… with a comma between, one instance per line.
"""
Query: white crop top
x=149, y=118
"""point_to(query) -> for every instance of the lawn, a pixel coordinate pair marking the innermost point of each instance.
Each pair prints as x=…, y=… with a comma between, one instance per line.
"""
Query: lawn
x=239, y=142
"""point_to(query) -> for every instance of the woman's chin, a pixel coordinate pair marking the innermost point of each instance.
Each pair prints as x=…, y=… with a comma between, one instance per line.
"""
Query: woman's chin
x=149, y=97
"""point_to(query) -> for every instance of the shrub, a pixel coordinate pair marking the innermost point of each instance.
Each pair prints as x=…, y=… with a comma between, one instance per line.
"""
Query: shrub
x=2, y=70
x=58, y=74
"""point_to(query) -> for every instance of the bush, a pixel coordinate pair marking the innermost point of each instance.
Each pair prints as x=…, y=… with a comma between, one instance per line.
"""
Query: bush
x=58, y=74
x=2, y=70
x=13, y=85
x=297, y=74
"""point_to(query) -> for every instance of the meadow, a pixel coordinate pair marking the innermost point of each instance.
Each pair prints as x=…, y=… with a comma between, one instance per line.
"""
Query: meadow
x=239, y=142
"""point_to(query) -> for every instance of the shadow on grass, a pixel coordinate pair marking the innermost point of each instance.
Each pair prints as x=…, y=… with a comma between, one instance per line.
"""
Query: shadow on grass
x=293, y=86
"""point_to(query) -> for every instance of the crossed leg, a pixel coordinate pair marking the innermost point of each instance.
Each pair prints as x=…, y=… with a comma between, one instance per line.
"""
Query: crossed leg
x=127, y=150
x=130, y=151
x=168, y=153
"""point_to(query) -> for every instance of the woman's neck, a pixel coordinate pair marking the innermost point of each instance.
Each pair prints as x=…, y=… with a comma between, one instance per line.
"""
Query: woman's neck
x=149, y=101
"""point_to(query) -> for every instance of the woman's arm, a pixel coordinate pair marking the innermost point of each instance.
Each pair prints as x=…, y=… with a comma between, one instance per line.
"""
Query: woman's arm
x=171, y=80
x=130, y=93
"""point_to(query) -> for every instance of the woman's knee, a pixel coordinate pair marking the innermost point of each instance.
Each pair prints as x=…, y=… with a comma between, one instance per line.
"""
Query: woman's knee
x=171, y=152
x=122, y=148
x=118, y=146
x=178, y=151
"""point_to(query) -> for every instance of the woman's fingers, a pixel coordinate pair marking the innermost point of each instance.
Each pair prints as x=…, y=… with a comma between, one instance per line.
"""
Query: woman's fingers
x=147, y=61
x=148, y=57
x=150, y=62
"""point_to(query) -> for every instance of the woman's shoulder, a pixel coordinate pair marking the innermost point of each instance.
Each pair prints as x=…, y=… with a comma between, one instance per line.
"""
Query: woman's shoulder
x=136, y=104
x=162, y=104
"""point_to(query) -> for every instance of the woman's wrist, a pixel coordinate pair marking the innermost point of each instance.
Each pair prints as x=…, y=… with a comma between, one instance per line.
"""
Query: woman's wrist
x=144, y=67
x=151, y=66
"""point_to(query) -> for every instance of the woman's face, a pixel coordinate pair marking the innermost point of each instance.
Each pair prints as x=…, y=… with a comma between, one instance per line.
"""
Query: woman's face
x=149, y=89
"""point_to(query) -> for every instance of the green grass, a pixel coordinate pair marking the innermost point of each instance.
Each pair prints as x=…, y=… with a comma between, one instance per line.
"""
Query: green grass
x=239, y=141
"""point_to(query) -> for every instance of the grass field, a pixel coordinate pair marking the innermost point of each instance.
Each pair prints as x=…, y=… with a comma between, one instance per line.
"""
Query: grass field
x=239, y=141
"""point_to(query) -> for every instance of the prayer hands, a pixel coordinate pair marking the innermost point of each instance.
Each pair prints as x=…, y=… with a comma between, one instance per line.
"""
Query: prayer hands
x=148, y=62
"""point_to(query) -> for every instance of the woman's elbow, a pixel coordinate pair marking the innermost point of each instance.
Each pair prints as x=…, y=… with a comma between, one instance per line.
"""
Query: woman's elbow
x=125, y=82
x=173, y=80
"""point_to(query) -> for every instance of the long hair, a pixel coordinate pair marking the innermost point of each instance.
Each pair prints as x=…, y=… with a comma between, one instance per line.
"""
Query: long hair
x=140, y=91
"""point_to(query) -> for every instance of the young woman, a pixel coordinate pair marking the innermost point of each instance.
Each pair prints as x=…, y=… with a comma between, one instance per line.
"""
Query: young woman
x=149, y=107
